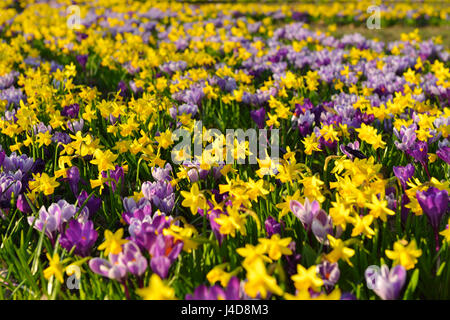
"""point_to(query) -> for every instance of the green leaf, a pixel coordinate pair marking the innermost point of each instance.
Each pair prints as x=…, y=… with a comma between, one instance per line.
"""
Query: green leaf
x=441, y=268
x=412, y=285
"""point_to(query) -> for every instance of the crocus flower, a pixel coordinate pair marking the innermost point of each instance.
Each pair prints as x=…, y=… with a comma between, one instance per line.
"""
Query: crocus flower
x=54, y=218
x=292, y=260
x=386, y=284
x=73, y=177
x=434, y=203
x=93, y=203
x=272, y=226
x=329, y=272
x=122, y=86
x=443, y=153
x=419, y=152
x=259, y=117
x=13, y=162
x=109, y=268
x=132, y=258
x=351, y=150
x=162, y=173
x=80, y=235
x=71, y=111
x=305, y=212
x=82, y=60
x=160, y=193
x=407, y=137
x=2, y=157
x=215, y=292
x=22, y=204
x=115, y=175
x=404, y=174
x=322, y=226
x=164, y=252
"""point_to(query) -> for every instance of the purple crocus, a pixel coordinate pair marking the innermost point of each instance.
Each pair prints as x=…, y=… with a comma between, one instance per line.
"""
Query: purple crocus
x=386, y=284
x=2, y=156
x=305, y=212
x=419, y=152
x=259, y=116
x=404, y=174
x=82, y=60
x=22, y=204
x=329, y=272
x=272, y=226
x=164, y=251
x=93, y=203
x=71, y=111
x=434, y=203
x=80, y=235
x=115, y=175
x=212, y=215
x=443, y=153
x=292, y=260
x=216, y=292
x=73, y=177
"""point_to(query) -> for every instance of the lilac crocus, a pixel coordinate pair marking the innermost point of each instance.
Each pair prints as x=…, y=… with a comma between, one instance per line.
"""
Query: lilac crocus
x=108, y=268
x=305, y=212
x=122, y=86
x=162, y=173
x=13, y=162
x=322, y=226
x=404, y=174
x=434, y=203
x=386, y=284
x=54, y=218
x=160, y=193
x=10, y=186
x=407, y=137
x=132, y=258
x=80, y=235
